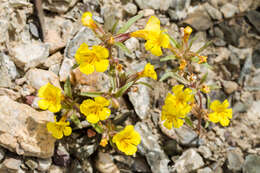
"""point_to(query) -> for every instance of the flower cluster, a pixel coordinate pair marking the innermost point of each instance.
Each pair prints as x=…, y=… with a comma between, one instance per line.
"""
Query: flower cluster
x=58, y=128
x=177, y=106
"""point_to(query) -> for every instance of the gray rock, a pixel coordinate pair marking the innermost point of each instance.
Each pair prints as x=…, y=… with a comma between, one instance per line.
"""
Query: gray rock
x=256, y=57
x=58, y=6
x=205, y=170
x=205, y=152
x=230, y=86
x=245, y=5
x=247, y=68
x=253, y=17
x=30, y=54
x=154, y=4
x=11, y=165
x=132, y=44
x=85, y=35
x=34, y=30
x=242, y=54
x=5, y=77
x=251, y=164
x=231, y=33
x=141, y=99
x=7, y=63
x=130, y=9
x=150, y=148
x=172, y=148
x=38, y=77
x=66, y=68
x=189, y=161
x=235, y=159
x=23, y=129
x=229, y=10
x=199, y=20
x=61, y=156
x=44, y=164
x=80, y=167
x=213, y=12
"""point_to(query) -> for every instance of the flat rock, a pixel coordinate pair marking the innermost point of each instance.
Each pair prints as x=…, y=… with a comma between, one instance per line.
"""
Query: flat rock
x=11, y=165
x=38, y=77
x=235, y=159
x=189, y=161
x=150, y=148
x=23, y=129
x=30, y=54
x=229, y=10
x=58, y=6
x=154, y=4
x=213, y=12
x=252, y=164
x=254, y=19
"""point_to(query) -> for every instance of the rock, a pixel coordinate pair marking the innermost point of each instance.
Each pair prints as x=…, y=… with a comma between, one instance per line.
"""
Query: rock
x=213, y=12
x=32, y=164
x=150, y=148
x=253, y=17
x=140, y=99
x=172, y=148
x=11, y=165
x=8, y=64
x=85, y=35
x=232, y=33
x=28, y=55
x=38, y=77
x=199, y=20
x=61, y=156
x=229, y=10
x=34, y=30
x=130, y=9
x=242, y=54
x=244, y=5
x=230, y=86
x=56, y=58
x=222, y=54
x=247, y=68
x=256, y=57
x=5, y=78
x=189, y=161
x=79, y=167
x=205, y=170
x=23, y=129
x=235, y=159
x=58, y=6
x=44, y=164
x=2, y=154
x=56, y=169
x=65, y=68
x=154, y=4
x=147, y=12
x=205, y=152
x=251, y=164
x=105, y=164
x=132, y=44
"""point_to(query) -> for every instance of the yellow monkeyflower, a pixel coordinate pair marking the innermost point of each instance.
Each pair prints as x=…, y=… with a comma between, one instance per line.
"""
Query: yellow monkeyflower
x=149, y=72
x=51, y=97
x=87, y=20
x=183, y=97
x=187, y=33
x=220, y=113
x=103, y=142
x=203, y=59
x=93, y=59
x=95, y=110
x=154, y=36
x=205, y=89
x=127, y=140
x=57, y=129
x=183, y=64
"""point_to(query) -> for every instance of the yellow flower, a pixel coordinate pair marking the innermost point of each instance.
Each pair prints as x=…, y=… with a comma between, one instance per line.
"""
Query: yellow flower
x=103, y=142
x=187, y=33
x=95, y=110
x=220, y=113
x=149, y=72
x=205, y=89
x=127, y=140
x=177, y=106
x=51, y=98
x=203, y=59
x=57, y=129
x=183, y=64
x=154, y=36
x=87, y=20
x=93, y=59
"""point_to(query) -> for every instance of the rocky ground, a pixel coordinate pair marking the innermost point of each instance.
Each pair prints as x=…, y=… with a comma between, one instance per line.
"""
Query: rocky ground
x=27, y=63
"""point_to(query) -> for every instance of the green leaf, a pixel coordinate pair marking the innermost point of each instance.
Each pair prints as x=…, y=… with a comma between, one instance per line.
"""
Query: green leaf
x=114, y=27
x=74, y=66
x=195, y=59
x=123, y=89
x=188, y=121
x=91, y=94
x=204, y=78
x=123, y=47
x=129, y=23
x=204, y=47
x=206, y=125
x=169, y=57
x=98, y=128
x=67, y=88
x=173, y=42
x=207, y=65
x=208, y=101
x=145, y=83
x=192, y=41
x=74, y=118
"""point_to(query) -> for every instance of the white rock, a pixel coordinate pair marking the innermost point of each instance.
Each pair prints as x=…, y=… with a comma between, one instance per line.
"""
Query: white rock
x=65, y=68
x=11, y=165
x=130, y=8
x=44, y=164
x=59, y=6
x=38, y=77
x=230, y=86
x=23, y=129
x=189, y=157
x=132, y=44
x=229, y=10
x=29, y=55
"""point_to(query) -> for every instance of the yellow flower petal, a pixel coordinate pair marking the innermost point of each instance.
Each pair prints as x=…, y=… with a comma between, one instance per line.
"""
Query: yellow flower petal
x=92, y=118
x=104, y=114
x=101, y=65
x=67, y=131
x=87, y=68
x=224, y=121
x=153, y=24
x=101, y=52
x=213, y=117
x=43, y=104
x=177, y=123
x=130, y=149
x=55, y=108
